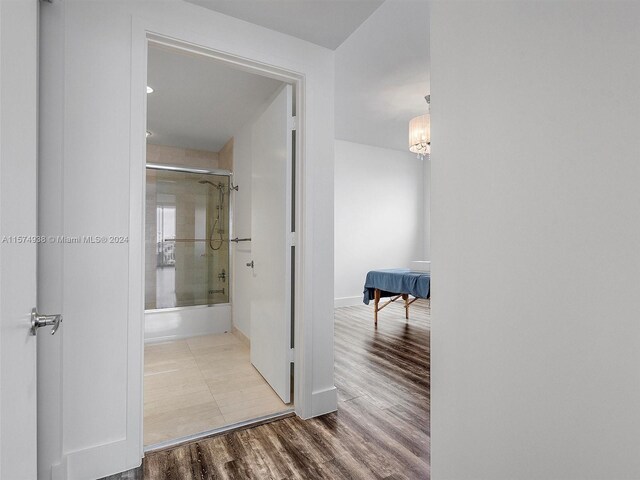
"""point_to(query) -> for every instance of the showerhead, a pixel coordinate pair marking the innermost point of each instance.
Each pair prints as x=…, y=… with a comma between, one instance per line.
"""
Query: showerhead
x=219, y=186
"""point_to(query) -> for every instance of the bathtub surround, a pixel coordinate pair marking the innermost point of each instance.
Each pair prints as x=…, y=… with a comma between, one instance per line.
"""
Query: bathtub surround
x=187, y=255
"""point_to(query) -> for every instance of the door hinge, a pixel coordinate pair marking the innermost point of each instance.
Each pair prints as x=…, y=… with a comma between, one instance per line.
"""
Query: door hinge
x=292, y=355
x=292, y=239
x=293, y=123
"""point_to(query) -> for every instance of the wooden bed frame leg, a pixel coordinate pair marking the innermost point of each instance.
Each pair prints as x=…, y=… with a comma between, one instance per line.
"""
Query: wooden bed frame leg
x=376, y=297
x=405, y=297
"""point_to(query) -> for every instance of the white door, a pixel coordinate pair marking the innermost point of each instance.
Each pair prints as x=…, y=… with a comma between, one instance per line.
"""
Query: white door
x=271, y=187
x=18, y=150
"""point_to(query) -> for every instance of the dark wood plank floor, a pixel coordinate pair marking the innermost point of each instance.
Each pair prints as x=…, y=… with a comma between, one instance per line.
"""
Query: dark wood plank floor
x=381, y=429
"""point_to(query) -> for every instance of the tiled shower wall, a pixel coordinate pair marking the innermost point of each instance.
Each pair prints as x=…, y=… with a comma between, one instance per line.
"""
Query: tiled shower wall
x=182, y=157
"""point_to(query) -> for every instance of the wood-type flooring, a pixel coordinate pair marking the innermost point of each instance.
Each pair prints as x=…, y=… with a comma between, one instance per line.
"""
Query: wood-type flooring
x=380, y=431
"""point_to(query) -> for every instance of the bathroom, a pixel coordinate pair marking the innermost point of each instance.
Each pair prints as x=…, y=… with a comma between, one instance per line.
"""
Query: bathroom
x=211, y=206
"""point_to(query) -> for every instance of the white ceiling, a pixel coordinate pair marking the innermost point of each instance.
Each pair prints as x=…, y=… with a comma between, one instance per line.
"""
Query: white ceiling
x=382, y=75
x=198, y=102
x=324, y=22
x=381, y=72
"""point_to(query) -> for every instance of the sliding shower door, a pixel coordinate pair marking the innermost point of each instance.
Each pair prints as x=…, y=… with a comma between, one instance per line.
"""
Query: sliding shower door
x=187, y=239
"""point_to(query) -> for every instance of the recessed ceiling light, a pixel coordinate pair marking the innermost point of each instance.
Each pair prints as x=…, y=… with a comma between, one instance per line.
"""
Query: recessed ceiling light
x=149, y=134
x=149, y=89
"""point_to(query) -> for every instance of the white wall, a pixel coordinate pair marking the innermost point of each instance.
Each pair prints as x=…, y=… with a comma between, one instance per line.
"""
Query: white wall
x=240, y=273
x=535, y=207
x=426, y=211
x=378, y=214
x=382, y=215
x=382, y=75
x=92, y=170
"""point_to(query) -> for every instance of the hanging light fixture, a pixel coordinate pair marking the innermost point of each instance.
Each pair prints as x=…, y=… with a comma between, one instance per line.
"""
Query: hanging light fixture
x=420, y=132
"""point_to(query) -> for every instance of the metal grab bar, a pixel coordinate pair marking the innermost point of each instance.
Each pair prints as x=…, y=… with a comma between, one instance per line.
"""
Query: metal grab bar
x=188, y=240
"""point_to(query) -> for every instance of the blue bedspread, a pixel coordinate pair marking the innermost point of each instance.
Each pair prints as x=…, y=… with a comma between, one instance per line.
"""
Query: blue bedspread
x=396, y=281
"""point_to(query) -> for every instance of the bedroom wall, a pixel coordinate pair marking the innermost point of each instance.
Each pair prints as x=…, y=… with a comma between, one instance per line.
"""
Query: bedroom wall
x=382, y=75
x=381, y=78
x=535, y=331
x=379, y=198
x=241, y=252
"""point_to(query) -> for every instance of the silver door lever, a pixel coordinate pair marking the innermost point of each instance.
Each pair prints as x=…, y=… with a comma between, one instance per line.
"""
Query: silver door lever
x=38, y=320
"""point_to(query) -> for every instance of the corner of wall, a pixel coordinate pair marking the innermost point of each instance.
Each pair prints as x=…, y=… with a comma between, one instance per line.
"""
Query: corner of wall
x=324, y=401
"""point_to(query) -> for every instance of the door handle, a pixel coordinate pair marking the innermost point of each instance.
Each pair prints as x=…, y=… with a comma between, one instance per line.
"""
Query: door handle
x=250, y=264
x=38, y=320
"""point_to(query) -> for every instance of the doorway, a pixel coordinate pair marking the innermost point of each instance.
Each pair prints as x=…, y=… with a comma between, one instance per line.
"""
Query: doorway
x=219, y=247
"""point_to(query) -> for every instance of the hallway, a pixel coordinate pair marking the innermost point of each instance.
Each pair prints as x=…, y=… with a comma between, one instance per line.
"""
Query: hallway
x=381, y=429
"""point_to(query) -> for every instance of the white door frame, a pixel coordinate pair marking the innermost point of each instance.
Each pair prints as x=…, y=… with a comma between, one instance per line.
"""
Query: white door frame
x=18, y=232
x=143, y=34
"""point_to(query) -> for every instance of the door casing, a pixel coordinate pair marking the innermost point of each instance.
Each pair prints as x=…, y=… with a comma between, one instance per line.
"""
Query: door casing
x=18, y=237
x=143, y=36
x=92, y=109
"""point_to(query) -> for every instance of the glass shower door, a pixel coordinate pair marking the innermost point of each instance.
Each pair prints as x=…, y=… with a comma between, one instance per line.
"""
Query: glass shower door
x=187, y=239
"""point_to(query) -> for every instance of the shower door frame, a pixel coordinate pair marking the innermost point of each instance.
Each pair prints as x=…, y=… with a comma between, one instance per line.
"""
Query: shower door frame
x=304, y=406
x=214, y=171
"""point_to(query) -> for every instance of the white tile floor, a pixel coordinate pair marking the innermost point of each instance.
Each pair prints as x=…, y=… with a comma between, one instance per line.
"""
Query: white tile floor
x=199, y=384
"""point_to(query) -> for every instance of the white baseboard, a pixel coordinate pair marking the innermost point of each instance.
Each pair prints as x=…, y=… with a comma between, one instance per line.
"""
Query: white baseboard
x=95, y=462
x=324, y=401
x=240, y=334
x=347, y=301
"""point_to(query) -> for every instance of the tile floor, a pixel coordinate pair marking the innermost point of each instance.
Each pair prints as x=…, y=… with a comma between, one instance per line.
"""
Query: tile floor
x=201, y=383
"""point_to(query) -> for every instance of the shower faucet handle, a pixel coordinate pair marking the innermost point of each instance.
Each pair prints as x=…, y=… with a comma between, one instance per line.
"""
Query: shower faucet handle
x=250, y=264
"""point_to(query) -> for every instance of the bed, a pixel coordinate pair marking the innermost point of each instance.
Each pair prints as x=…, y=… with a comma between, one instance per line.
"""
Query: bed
x=395, y=283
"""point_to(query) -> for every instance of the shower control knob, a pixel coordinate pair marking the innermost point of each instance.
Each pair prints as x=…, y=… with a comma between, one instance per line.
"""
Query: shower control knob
x=250, y=264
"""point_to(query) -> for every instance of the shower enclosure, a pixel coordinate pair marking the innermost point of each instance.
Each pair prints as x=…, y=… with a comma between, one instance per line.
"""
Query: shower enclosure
x=186, y=250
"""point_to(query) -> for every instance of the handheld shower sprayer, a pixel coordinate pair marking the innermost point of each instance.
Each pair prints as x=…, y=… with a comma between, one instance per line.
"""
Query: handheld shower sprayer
x=219, y=209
